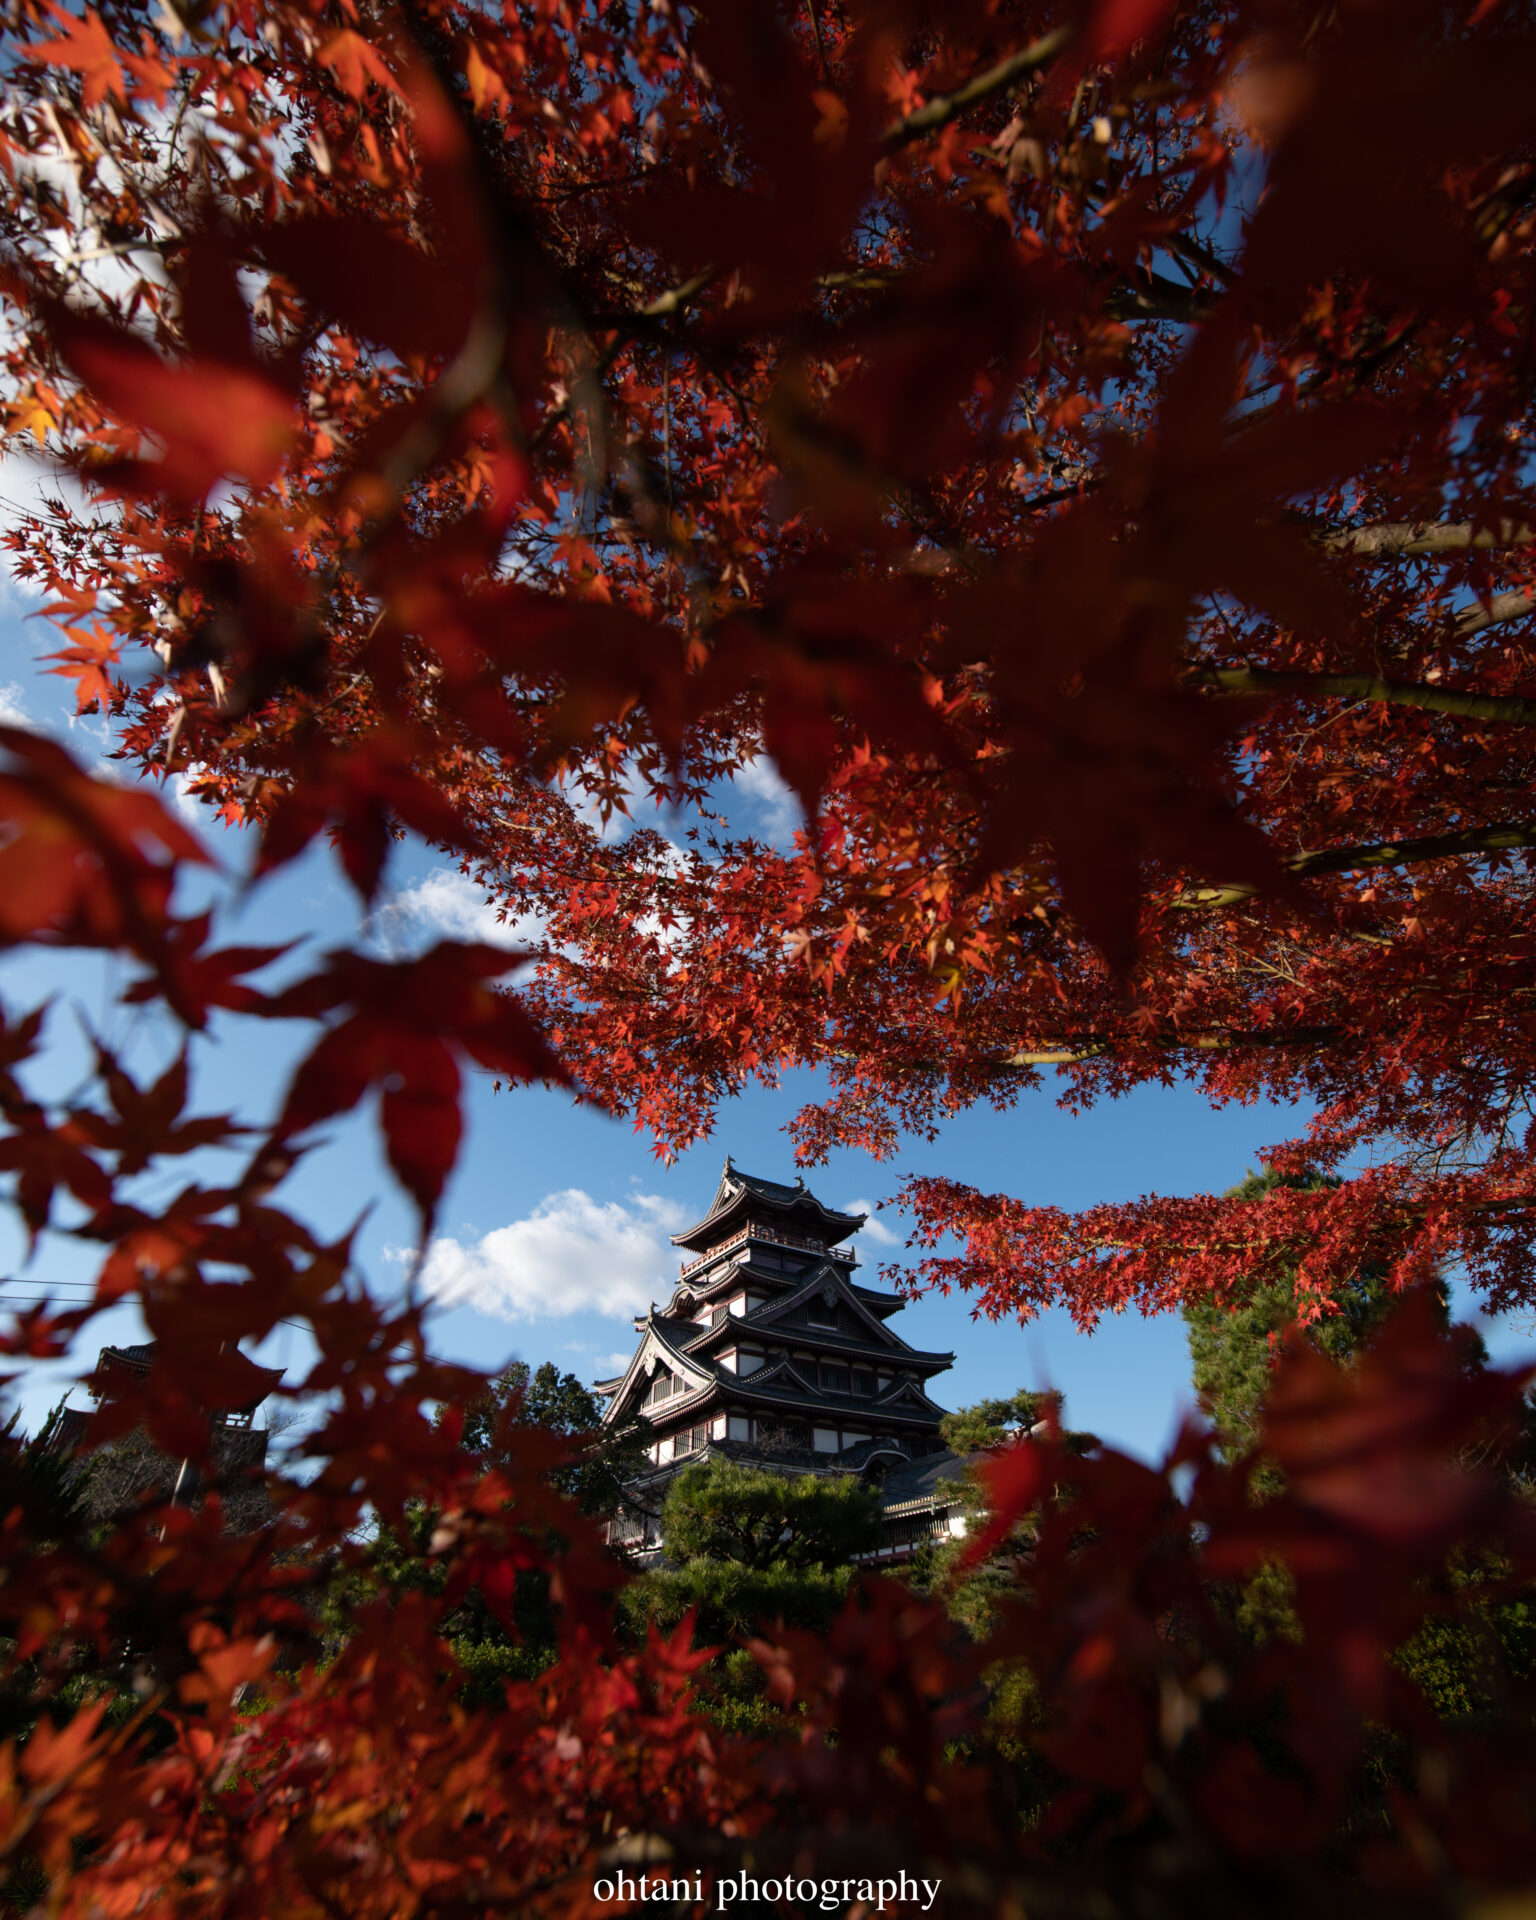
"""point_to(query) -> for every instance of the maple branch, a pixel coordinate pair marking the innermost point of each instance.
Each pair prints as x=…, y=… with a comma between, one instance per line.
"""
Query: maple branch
x=1510, y=710
x=1152, y=296
x=1413, y=538
x=1404, y=1214
x=944, y=106
x=1502, y=607
x=626, y=328
x=1385, y=853
x=1078, y=1054
x=1143, y=296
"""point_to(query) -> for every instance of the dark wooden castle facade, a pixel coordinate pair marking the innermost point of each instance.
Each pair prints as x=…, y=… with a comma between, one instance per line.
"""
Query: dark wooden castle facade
x=771, y=1352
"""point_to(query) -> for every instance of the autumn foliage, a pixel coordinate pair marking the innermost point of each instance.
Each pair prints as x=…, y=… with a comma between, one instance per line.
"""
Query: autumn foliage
x=1087, y=447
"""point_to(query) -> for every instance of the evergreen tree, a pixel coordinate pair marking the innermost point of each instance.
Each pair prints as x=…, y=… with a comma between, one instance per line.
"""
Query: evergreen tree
x=752, y=1518
x=1235, y=1342
x=604, y=1460
x=974, y=1432
x=744, y=1546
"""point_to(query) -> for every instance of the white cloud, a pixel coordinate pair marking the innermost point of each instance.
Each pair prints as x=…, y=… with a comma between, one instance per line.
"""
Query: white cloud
x=447, y=905
x=27, y=483
x=874, y=1229
x=572, y=1254
x=777, y=811
x=185, y=801
x=13, y=708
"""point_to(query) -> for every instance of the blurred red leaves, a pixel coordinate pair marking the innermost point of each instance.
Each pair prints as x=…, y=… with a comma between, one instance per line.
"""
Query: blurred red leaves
x=401, y=1026
x=214, y=418
x=82, y=861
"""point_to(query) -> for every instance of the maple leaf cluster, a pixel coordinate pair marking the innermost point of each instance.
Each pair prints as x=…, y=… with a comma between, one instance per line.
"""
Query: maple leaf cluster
x=1086, y=448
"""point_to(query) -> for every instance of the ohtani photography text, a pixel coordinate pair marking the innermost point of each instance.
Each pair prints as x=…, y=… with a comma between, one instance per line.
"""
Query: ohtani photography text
x=732, y=1889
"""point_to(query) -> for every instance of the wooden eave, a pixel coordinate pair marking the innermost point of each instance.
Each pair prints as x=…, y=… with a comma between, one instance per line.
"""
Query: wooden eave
x=884, y=1304
x=730, y=1279
x=843, y=1409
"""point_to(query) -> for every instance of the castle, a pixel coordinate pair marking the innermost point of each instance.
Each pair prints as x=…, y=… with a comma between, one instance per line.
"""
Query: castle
x=771, y=1353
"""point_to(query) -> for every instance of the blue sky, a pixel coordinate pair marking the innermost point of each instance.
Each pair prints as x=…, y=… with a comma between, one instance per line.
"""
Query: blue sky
x=554, y=1228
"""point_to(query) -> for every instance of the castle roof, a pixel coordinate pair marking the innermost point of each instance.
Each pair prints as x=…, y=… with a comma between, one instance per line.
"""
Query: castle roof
x=742, y=1194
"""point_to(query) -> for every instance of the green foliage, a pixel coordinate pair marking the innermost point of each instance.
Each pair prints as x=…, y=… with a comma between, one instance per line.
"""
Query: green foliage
x=1464, y=1663
x=724, y=1512
x=972, y=1432
x=40, y=1477
x=1234, y=1343
x=746, y=1549
x=1459, y=1662
x=734, y=1600
x=989, y=1423
x=488, y=1665
x=603, y=1459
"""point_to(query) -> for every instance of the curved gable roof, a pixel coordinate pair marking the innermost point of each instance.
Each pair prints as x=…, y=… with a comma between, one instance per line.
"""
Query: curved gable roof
x=818, y=1282
x=655, y=1345
x=739, y=1192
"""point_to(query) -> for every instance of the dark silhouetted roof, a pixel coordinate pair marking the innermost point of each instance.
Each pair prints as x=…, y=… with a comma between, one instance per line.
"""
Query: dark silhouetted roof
x=739, y=1192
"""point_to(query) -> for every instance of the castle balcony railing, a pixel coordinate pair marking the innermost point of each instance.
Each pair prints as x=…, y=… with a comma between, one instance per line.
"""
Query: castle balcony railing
x=802, y=1243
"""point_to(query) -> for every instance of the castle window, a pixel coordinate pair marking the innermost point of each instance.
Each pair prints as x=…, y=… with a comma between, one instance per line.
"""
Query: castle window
x=835, y=1378
x=863, y=1382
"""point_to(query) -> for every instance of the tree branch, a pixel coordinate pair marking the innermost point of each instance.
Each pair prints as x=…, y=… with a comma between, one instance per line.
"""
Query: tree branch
x=1502, y=607
x=945, y=106
x=1071, y=1054
x=1414, y=538
x=1385, y=853
x=1152, y=296
x=1509, y=710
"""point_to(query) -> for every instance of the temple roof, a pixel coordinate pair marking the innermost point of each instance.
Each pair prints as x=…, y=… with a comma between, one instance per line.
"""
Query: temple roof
x=739, y=1193
x=251, y=1383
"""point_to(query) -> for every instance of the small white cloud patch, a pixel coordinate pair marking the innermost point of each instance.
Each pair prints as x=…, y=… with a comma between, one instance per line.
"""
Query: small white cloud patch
x=776, y=811
x=447, y=905
x=874, y=1229
x=572, y=1254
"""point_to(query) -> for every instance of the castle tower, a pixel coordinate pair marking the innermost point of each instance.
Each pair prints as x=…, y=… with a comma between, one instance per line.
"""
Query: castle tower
x=770, y=1352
